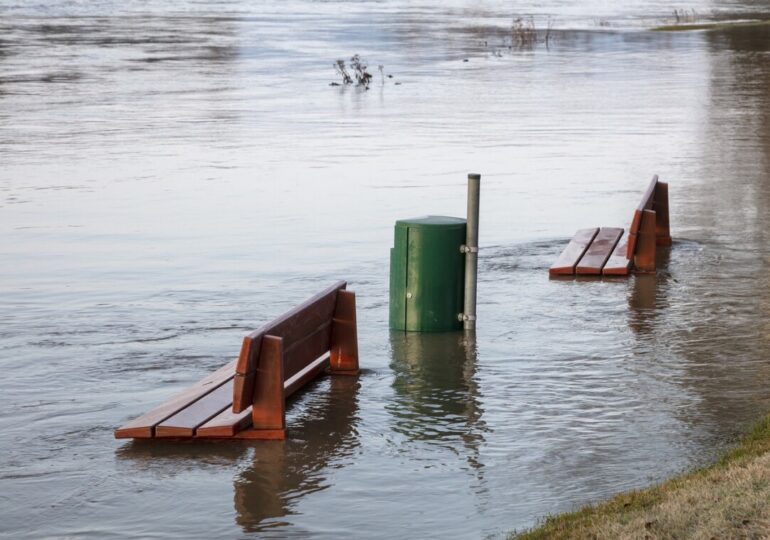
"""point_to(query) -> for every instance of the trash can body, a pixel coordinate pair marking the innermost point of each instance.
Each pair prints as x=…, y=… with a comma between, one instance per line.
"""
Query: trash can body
x=427, y=272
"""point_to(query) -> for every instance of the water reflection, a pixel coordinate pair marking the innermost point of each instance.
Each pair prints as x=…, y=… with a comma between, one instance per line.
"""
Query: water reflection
x=321, y=434
x=175, y=457
x=438, y=400
x=723, y=347
x=648, y=295
x=282, y=472
x=142, y=140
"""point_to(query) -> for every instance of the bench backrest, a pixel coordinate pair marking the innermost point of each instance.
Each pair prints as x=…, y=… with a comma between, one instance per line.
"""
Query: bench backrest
x=303, y=335
x=650, y=215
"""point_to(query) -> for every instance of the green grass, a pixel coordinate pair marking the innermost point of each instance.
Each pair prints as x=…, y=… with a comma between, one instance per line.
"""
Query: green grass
x=729, y=499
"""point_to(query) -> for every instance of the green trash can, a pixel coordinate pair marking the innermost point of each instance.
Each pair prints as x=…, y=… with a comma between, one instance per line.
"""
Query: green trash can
x=427, y=272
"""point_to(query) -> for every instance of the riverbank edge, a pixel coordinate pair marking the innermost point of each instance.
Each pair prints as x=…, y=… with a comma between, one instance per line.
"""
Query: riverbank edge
x=728, y=25
x=727, y=499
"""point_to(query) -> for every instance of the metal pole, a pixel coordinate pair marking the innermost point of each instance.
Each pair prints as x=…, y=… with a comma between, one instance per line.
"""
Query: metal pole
x=471, y=252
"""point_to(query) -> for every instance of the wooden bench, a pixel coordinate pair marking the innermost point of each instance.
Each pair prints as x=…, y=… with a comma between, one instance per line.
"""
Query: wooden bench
x=604, y=250
x=245, y=399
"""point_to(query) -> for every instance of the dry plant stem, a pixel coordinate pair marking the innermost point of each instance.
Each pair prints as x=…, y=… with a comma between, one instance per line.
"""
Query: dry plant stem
x=362, y=76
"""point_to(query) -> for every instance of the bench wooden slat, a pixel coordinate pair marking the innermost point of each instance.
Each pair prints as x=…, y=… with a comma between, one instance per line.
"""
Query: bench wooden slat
x=295, y=358
x=300, y=322
x=304, y=376
x=618, y=264
x=647, y=203
x=143, y=426
x=633, y=233
x=344, y=341
x=569, y=258
x=599, y=251
x=269, y=407
x=247, y=359
x=606, y=254
x=644, y=255
x=293, y=325
x=225, y=424
x=316, y=331
x=228, y=424
x=662, y=226
x=183, y=423
x=243, y=387
x=649, y=195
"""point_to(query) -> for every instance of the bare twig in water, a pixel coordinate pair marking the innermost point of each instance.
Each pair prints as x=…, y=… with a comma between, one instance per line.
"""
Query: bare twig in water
x=685, y=16
x=525, y=35
x=362, y=76
x=548, y=28
x=339, y=67
x=523, y=32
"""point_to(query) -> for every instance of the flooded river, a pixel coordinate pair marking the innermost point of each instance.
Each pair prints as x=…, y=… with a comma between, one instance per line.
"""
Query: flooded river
x=173, y=174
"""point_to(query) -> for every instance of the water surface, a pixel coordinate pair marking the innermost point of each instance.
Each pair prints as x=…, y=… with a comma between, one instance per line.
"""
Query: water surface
x=173, y=175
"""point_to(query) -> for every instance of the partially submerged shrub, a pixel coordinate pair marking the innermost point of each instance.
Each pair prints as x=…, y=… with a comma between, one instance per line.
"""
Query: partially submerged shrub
x=359, y=72
x=525, y=35
x=339, y=67
x=685, y=16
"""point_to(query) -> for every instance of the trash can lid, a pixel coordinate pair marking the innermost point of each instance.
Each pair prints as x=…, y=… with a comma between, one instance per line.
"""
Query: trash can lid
x=431, y=222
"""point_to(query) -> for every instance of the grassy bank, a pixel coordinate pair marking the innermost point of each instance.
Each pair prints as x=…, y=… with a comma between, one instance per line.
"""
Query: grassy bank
x=730, y=499
x=710, y=26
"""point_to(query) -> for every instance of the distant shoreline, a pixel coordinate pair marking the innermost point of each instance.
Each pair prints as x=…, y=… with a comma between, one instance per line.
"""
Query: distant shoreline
x=710, y=26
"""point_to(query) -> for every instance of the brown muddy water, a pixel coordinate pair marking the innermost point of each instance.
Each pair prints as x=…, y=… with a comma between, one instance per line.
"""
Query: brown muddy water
x=173, y=174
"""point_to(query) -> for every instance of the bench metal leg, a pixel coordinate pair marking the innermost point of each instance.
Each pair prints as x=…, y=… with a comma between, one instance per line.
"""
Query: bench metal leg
x=344, y=341
x=644, y=258
x=269, y=408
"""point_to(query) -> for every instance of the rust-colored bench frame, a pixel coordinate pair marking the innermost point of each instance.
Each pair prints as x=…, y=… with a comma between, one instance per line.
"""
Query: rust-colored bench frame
x=245, y=399
x=295, y=343
x=599, y=251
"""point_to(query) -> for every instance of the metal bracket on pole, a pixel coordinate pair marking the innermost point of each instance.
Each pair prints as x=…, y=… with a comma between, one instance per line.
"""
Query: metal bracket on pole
x=471, y=250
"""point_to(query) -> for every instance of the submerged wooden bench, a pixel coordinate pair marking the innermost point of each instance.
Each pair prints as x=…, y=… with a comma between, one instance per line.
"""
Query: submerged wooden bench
x=245, y=399
x=604, y=250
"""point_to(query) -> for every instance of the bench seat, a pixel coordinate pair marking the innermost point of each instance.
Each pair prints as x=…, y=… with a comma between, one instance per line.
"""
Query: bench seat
x=612, y=251
x=245, y=398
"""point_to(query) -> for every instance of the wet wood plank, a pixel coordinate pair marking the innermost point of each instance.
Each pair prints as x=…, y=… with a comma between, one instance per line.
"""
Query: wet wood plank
x=344, y=341
x=662, y=225
x=647, y=202
x=645, y=254
x=261, y=434
x=225, y=424
x=268, y=410
x=599, y=251
x=143, y=427
x=312, y=371
x=633, y=233
x=183, y=423
x=228, y=424
x=618, y=264
x=569, y=258
x=292, y=326
x=305, y=330
x=298, y=356
x=649, y=195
